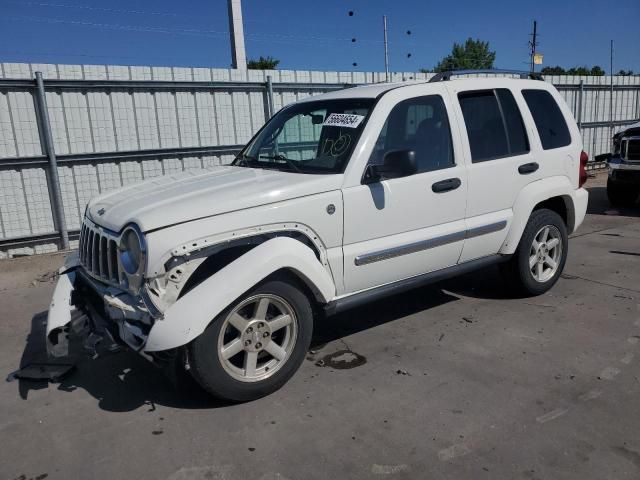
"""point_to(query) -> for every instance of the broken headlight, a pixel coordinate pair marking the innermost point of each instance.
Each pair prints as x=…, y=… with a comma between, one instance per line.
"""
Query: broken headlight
x=132, y=250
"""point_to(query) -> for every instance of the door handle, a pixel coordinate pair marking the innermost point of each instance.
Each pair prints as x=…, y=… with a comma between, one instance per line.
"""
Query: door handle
x=446, y=185
x=528, y=168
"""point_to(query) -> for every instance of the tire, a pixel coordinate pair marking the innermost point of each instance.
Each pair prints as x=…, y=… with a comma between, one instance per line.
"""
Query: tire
x=621, y=195
x=520, y=273
x=248, y=321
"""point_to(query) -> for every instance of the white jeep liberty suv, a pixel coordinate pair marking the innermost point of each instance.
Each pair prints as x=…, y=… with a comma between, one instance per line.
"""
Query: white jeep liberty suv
x=339, y=199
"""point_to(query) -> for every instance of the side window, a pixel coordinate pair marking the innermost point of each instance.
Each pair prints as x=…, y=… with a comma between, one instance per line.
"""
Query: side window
x=516, y=133
x=419, y=124
x=494, y=125
x=548, y=118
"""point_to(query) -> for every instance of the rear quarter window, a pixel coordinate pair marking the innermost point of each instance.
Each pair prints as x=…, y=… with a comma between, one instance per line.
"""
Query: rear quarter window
x=551, y=125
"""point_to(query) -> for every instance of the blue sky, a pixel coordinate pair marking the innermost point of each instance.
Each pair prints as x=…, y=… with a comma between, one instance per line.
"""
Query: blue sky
x=316, y=35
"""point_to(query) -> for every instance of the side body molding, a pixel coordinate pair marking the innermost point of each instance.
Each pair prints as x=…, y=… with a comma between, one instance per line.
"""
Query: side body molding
x=559, y=186
x=189, y=316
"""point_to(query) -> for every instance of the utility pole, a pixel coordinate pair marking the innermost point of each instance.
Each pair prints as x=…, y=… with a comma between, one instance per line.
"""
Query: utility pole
x=611, y=92
x=386, y=49
x=534, y=45
x=236, y=32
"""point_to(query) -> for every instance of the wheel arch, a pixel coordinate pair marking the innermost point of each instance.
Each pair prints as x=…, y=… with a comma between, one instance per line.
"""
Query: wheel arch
x=226, y=253
x=188, y=317
x=563, y=206
x=554, y=193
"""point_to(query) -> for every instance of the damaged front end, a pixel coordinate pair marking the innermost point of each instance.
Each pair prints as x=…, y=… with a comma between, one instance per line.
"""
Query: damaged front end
x=102, y=317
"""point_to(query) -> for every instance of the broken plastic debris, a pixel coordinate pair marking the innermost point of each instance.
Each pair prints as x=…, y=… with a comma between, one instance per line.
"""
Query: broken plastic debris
x=52, y=372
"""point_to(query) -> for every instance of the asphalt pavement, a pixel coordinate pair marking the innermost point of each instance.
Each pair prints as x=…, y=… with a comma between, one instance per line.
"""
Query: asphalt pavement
x=457, y=381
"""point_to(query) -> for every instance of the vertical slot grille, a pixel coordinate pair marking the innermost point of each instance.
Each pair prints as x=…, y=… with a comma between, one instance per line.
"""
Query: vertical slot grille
x=98, y=252
x=113, y=260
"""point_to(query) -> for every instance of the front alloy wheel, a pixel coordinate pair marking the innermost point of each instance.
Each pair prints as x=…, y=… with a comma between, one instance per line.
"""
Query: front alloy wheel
x=257, y=337
x=253, y=347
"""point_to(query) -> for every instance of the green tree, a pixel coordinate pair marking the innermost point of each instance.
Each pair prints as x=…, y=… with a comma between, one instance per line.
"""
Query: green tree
x=263, y=63
x=557, y=70
x=579, y=71
x=625, y=73
x=583, y=71
x=473, y=55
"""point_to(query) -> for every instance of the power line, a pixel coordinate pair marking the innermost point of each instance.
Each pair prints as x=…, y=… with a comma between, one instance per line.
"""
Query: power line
x=99, y=9
x=272, y=37
x=88, y=55
x=114, y=26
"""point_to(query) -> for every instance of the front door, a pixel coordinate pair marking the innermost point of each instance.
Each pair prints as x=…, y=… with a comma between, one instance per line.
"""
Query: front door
x=402, y=227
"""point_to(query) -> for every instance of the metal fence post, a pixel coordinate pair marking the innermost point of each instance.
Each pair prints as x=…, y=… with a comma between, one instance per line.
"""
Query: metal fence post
x=580, y=95
x=270, y=96
x=44, y=126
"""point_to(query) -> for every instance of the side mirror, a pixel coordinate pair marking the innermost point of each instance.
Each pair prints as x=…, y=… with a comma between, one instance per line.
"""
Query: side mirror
x=396, y=164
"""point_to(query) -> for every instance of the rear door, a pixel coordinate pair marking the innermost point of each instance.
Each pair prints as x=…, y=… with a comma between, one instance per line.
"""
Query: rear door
x=501, y=164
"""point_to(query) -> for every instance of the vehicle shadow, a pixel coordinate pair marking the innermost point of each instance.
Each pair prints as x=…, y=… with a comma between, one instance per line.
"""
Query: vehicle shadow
x=487, y=283
x=125, y=381
x=599, y=204
x=378, y=313
x=121, y=382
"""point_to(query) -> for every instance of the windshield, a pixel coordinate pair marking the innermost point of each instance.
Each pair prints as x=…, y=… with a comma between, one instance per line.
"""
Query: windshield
x=309, y=137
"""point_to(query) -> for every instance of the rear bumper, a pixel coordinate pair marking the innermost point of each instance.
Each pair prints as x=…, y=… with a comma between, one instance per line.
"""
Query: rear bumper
x=99, y=316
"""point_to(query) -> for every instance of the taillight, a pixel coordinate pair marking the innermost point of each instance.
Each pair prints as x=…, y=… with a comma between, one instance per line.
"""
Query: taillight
x=584, y=158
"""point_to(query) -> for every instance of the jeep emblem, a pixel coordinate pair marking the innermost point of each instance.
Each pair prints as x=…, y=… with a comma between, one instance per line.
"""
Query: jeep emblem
x=101, y=211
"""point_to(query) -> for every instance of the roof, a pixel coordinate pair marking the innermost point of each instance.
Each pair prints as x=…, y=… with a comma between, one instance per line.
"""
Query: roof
x=376, y=89
x=364, y=91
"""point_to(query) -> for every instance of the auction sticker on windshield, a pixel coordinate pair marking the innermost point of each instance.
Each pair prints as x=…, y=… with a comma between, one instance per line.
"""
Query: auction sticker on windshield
x=349, y=120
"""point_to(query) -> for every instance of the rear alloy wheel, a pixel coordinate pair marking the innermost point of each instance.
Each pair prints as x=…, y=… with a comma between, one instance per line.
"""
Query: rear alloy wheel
x=541, y=254
x=254, y=346
x=545, y=253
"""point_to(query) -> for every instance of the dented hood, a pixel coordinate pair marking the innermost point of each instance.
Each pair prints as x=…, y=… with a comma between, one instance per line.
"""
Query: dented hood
x=171, y=199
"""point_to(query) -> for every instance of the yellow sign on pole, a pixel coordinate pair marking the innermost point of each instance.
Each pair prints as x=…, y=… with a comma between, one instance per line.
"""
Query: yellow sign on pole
x=537, y=58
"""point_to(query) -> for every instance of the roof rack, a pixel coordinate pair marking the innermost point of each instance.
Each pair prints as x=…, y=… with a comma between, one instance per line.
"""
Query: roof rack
x=439, y=77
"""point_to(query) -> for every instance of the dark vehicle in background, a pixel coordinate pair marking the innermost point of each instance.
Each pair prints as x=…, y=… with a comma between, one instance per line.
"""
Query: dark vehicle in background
x=623, y=184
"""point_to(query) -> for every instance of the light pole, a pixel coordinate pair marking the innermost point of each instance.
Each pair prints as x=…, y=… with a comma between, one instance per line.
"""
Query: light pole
x=386, y=49
x=611, y=92
x=236, y=32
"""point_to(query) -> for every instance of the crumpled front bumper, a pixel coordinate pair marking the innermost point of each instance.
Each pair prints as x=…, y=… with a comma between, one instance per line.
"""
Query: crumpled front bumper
x=101, y=317
x=60, y=310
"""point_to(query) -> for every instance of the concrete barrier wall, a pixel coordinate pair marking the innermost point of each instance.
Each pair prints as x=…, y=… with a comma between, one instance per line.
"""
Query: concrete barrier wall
x=163, y=130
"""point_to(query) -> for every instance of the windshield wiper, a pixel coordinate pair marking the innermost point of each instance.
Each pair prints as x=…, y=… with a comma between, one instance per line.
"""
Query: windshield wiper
x=290, y=163
x=244, y=160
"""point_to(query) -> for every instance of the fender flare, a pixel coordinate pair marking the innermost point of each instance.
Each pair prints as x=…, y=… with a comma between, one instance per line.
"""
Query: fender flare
x=529, y=197
x=188, y=317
